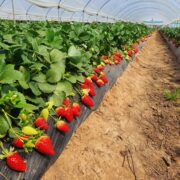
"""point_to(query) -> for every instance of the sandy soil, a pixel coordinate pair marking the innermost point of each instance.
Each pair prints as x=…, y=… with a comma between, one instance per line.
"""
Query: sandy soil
x=134, y=134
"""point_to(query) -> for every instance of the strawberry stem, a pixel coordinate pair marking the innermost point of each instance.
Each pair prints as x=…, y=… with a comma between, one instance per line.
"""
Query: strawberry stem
x=11, y=130
x=78, y=82
x=7, y=118
x=77, y=90
x=11, y=116
x=53, y=111
x=1, y=145
x=53, y=118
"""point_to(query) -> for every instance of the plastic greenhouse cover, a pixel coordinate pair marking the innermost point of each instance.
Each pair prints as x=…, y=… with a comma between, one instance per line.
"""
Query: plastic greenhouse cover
x=165, y=11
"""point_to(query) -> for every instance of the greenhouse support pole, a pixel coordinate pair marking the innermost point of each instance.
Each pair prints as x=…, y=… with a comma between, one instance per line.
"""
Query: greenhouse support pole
x=58, y=10
x=13, y=12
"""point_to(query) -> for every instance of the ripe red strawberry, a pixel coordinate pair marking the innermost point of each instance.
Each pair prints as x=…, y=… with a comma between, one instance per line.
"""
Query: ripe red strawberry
x=100, y=67
x=69, y=114
x=96, y=70
x=84, y=86
x=103, y=78
x=41, y=123
x=104, y=57
x=76, y=109
x=44, y=145
x=86, y=100
x=100, y=83
x=15, y=162
x=92, y=92
x=60, y=111
x=130, y=53
x=18, y=142
x=94, y=77
x=66, y=102
x=62, y=126
x=117, y=62
x=87, y=81
x=116, y=58
x=118, y=55
x=136, y=50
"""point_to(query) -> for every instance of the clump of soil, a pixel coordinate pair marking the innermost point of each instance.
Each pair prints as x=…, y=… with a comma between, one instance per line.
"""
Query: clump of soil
x=134, y=134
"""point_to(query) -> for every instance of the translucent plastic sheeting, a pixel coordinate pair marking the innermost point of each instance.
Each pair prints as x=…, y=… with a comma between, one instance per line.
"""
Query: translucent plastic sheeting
x=91, y=10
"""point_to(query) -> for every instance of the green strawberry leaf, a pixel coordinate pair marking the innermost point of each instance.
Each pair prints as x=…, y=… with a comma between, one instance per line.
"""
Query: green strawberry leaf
x=64, y=86
x=50, y=35
x=2, y=62
x=2, y=57
x=46, y=88
x=13, y=132
x=34, y=88
x=9, y=75
x=36, y=100
x=57, y=56
x=3, y=126
x=57, y=98
x=53, y=75
x=39, y=78
x=42, y=50
x=71, y=79
x=74, y=54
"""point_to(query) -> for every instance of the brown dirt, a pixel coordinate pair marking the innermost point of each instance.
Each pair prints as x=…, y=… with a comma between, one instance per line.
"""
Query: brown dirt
x=134, y=134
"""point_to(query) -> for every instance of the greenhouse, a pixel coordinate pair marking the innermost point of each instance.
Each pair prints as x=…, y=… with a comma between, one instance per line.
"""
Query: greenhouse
x=89, y=89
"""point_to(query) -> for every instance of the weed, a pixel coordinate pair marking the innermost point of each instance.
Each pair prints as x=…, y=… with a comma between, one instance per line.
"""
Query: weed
x=173, y=95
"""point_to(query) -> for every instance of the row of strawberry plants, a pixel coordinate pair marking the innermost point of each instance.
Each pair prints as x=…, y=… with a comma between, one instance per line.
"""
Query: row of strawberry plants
x=173, y=34
x=43, y=66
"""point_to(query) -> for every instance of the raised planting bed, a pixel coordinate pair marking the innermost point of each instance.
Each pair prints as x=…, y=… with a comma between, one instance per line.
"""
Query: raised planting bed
x=172, y=37
x=175, y=49
x=37, y=164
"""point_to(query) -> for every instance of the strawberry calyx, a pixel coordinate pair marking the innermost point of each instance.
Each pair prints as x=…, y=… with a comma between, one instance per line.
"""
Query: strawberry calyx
x=85, y=91
x=6, y=152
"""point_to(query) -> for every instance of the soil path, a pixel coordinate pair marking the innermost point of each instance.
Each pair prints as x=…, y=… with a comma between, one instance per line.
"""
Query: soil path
x=134, y=134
